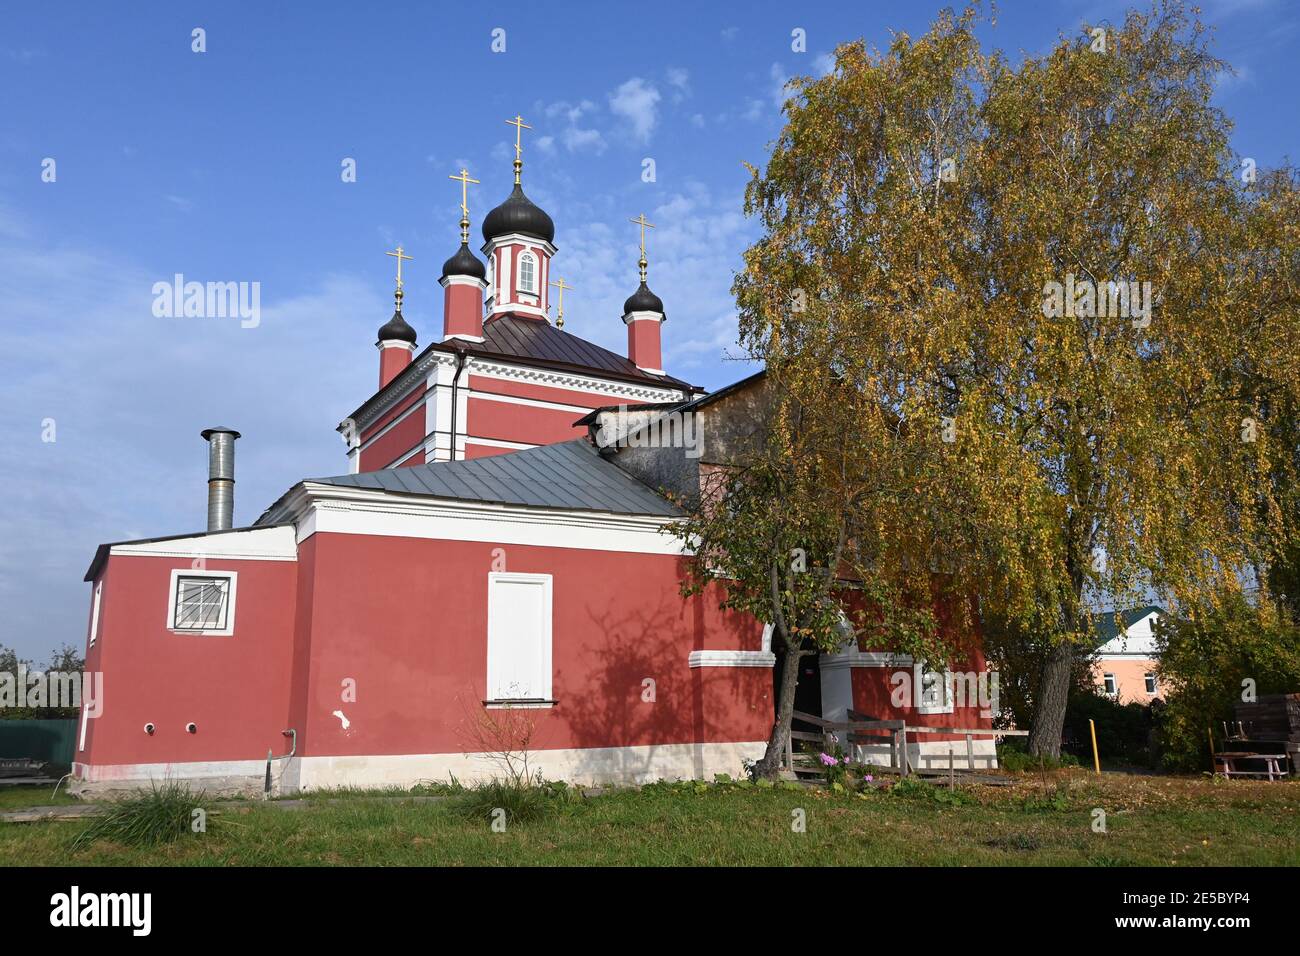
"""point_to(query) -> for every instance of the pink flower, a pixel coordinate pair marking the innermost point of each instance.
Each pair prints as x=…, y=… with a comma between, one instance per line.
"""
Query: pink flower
x=868, y=778
x=828, y=760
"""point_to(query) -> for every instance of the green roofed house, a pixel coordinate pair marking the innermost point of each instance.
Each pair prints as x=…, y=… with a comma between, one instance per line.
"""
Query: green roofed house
x=1126, y=661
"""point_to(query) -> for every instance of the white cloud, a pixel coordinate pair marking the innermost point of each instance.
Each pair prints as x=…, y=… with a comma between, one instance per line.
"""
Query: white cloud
x=1226, y=81
x=571, y=130
x=680, y=81
x=577, y=140
x=779, y=78
x=637, y=102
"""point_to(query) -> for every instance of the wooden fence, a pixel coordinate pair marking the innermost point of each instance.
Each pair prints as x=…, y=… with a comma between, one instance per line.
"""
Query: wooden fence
x=863, y=730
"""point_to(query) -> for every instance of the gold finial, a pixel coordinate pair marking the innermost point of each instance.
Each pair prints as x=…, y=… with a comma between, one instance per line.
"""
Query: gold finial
x=519, y=125
x=464, y=181
x=641, y=263
x=397, y=296
x=559, y=320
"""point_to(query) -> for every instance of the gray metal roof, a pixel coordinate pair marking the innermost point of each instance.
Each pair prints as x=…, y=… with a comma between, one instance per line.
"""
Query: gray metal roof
x=570, y=475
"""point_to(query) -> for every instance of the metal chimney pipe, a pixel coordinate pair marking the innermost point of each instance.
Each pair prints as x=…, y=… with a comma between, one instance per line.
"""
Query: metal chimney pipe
x=221, y=477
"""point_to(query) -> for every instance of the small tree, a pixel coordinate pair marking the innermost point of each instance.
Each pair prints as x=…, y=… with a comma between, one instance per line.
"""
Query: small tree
x=781, y=532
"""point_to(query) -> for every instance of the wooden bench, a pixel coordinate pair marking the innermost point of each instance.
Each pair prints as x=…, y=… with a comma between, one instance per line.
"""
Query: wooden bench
x=1226, y=763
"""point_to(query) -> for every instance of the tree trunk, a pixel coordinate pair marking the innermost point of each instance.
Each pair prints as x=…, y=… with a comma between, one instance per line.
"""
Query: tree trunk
x=1049, y=705
x=770, y=765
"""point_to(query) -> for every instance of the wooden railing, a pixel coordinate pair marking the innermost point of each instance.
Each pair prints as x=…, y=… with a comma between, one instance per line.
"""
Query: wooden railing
x=857, y=731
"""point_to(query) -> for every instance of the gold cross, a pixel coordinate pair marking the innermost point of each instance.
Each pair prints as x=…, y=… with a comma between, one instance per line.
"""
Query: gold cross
x=519, y=125
x=641, y=221
x=399, y=257
x=464, y=181
x=559, y=321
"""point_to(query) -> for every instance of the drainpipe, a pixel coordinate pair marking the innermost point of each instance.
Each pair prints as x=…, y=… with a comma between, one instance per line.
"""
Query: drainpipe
x=461, y=356
x=293, y=749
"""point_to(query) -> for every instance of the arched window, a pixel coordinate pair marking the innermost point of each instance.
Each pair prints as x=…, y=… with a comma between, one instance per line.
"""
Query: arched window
x=528, y=273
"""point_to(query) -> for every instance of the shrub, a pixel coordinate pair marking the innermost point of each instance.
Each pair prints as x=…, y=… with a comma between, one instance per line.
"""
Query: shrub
x=522, y=801
x=162, y=814
x=1124, y=731
x=1013, y=758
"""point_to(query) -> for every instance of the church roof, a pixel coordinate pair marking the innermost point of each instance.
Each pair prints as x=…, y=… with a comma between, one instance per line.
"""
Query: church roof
x=570, y=475
x=542, y=342
x=538, y=343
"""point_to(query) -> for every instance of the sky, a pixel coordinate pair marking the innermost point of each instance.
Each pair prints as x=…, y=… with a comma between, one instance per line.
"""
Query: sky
x=226, y=166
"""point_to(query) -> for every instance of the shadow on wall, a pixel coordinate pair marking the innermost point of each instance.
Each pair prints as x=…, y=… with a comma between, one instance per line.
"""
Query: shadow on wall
x=640, y=692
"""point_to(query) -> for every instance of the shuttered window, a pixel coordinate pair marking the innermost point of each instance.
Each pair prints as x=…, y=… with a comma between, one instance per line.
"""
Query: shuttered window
x=519, y=638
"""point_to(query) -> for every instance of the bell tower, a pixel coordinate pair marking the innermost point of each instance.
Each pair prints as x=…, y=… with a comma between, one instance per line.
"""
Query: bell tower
x=518, y=241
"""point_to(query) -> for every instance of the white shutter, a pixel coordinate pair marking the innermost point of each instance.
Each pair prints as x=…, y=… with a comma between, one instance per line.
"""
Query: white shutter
x=94, y=614
x=519, y=636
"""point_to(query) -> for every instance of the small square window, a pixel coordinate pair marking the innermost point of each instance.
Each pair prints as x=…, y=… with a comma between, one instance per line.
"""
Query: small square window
x=1151, y=683
x=1108, y=682
x=202, y=602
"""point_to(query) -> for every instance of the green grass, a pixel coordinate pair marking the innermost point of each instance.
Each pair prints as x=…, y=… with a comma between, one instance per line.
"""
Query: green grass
x=1043, y=820
x=15, y=798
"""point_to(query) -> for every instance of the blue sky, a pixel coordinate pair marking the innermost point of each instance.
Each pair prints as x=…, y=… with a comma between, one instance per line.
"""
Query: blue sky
x=225, y=166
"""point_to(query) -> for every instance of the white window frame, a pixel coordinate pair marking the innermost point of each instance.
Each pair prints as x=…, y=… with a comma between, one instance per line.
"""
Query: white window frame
x=529, y=259
x=1109, y=685
x=945, y=704
x=547, y=668
x=231, y=603
x=94, y=612
x=1150, y=683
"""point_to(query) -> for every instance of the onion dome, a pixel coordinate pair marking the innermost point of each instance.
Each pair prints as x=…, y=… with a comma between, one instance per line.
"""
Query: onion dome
x=464, y=263
x=396, y=328
x=518, y=214
x=643, y=300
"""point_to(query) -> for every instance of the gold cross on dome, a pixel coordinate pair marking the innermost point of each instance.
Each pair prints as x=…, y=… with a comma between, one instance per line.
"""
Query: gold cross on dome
x=641, y=221
x=559, y=284
x=519, y=125
x=399, y=256
x=464, y=181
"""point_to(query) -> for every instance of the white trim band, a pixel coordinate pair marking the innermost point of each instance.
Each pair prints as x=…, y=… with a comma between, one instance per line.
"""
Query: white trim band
x=731, y=659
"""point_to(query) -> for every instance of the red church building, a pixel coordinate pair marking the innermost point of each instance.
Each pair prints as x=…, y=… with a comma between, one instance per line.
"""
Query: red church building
x=491, y=575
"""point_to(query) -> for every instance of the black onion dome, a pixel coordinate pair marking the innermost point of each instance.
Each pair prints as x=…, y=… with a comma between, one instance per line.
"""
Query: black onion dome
x=518, y=214
x=643, y=300
x=396, y=328
x=464, y=263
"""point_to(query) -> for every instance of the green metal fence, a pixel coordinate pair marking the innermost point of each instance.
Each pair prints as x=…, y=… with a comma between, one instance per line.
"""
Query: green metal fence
x=50, y=740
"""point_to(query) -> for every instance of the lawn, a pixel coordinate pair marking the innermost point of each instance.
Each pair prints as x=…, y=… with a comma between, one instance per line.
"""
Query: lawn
x=1041, y=820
